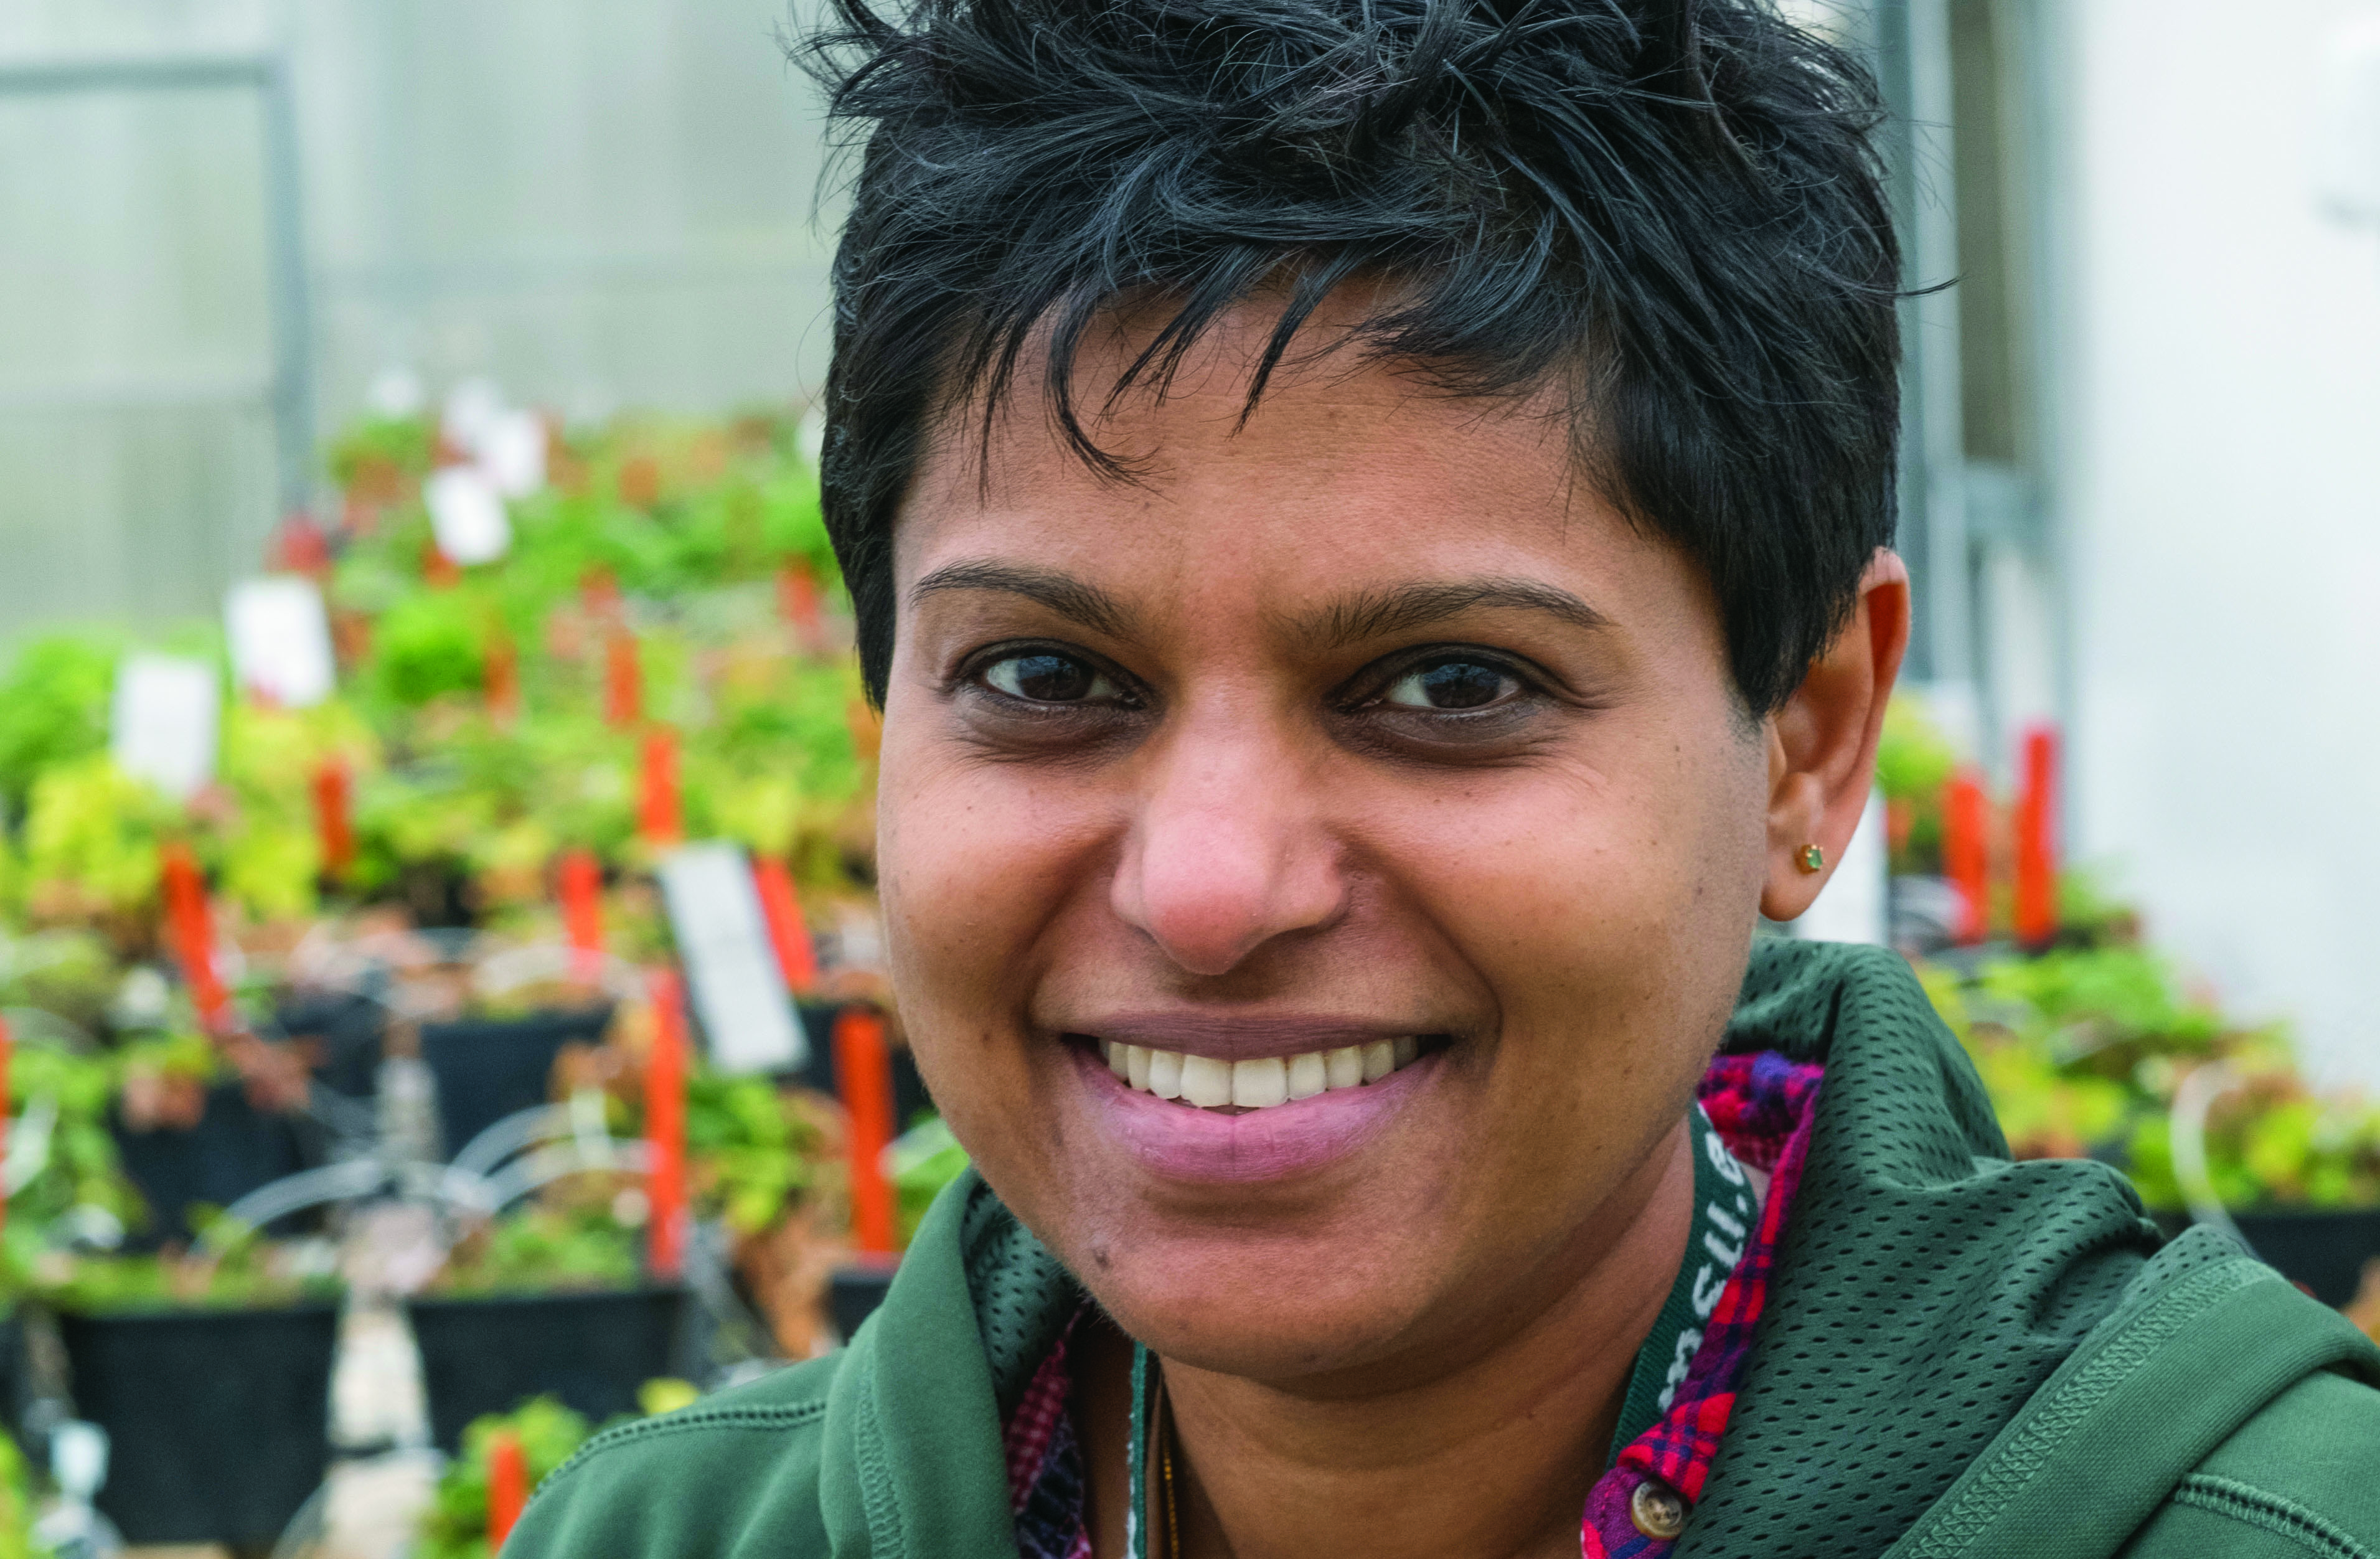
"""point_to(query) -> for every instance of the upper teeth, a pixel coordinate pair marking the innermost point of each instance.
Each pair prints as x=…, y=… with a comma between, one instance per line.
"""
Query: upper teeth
x=1212, y=1084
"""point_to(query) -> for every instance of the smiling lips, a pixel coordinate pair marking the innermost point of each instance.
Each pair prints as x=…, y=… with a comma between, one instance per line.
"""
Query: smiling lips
x=1211, y=1083
x=1242, y=1097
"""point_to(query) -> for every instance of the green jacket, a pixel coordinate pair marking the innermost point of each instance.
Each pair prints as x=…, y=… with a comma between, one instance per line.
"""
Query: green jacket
x=1959, y=1355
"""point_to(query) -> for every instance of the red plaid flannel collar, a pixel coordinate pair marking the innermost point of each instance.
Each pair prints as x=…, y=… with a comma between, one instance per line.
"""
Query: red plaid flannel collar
x=1762, y=1107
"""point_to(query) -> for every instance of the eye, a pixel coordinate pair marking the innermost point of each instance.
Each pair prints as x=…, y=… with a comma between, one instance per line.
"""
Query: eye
x=1451, y=684
x=1047, y=676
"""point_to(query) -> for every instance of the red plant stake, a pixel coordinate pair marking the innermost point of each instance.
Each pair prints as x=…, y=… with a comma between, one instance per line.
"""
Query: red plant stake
x=2036, y=840
x=797, y=593
x=665, y=1067
x=507, y=1487
x=658, y=817
x=623, y=682
x=192, y=928
x=438, y=570
x=1966, y=852
x=864, y=1077
x=502, y=682
x=580, y=881
x=599, y=591
x=781, y=907
x=299, y=547
x=334, y=820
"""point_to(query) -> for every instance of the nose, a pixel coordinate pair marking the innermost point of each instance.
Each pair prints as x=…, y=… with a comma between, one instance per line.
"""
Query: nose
x=1228, y=850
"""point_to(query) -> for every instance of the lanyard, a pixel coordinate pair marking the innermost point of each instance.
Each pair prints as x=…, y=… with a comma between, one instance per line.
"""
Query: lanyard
x=1144, y=1418
x=1725, y=1204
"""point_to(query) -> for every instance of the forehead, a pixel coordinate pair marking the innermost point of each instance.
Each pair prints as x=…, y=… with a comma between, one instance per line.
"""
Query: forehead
x=1345, y=470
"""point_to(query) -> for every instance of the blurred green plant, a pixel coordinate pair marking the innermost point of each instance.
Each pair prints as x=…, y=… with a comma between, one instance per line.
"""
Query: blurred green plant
x=54, y=709
x=544, y=1249
x=2083, y=1049
x=2274, y=1143
x=455, y=1526
x=750, y=1152
x=1914, y=761
x=16, y=1506
x=231, y=1267
x=925, y=1159
x=91, y=840
x=394, y=451
x=69, y=973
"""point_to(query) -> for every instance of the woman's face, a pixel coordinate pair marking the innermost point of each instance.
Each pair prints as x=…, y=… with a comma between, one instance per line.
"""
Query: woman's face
x=1361, y=742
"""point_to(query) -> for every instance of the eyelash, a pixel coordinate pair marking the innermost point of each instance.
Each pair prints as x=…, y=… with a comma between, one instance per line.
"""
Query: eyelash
x=1382, y=679
x=1377, y=679
x=974, y=669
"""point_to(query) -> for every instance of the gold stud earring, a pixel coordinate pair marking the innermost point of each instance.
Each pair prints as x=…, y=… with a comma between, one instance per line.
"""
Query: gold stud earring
x=1812, y=858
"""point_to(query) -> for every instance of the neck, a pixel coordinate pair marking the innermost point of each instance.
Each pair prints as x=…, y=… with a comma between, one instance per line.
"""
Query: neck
x=1488, y=1449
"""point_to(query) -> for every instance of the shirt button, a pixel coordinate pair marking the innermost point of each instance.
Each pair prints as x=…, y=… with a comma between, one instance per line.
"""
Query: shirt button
x=1658, y=1510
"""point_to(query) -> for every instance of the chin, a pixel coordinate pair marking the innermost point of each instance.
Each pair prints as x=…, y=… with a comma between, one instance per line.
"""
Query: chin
x=1275, y=1309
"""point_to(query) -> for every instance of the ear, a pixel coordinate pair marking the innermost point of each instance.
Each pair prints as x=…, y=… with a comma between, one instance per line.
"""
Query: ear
x=1822, y=742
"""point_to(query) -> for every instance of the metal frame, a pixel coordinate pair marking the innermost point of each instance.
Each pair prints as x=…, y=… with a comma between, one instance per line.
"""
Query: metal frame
x=1957, y=515
x=1912, y=40
x=290, y=393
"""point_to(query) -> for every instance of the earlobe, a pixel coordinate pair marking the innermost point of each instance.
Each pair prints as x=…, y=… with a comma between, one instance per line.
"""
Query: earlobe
x=1822, y=742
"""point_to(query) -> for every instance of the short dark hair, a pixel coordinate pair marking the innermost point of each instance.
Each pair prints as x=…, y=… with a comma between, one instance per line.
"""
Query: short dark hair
x=1676, y=205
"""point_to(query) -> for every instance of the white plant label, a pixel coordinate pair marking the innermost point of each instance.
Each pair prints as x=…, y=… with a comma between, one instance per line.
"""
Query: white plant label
x=739, y=993
x=512, y=453
x=467, y=514
x=281, y=640
x=163, y=724
x=472, y=406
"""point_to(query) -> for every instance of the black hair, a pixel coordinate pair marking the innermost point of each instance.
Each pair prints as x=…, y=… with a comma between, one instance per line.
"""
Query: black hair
x=1675, y=206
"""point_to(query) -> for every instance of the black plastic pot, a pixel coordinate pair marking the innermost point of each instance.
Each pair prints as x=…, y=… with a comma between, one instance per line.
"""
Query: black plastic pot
x=218, y=1421
x=233, y=1149
x=437, y=894
x=16, y=1374
x=591, y=1350
x=853, y=1292
x=489, y=1068
x=346, y=1030
x=2322, y=1252
x=2326, y=1251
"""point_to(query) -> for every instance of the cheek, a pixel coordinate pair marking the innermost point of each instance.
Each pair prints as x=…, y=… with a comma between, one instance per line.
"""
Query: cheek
x=976, y=862
x=1602, y=902
x=1641, y=845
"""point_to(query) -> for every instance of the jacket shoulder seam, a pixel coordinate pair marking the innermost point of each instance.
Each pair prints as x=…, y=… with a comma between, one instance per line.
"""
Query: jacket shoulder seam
x=2271, y=1512
x=684, y=1420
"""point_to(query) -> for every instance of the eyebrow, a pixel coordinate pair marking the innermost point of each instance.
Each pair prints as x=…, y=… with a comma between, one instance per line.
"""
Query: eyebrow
x=1062, y=593
x=1369, y=615
x=1402, y=608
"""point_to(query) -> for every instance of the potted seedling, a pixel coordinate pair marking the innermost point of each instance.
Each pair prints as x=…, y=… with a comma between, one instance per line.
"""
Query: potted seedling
x=2100, y=1051
x=552, y=1299
x=2293, y=1171
x=191, y=1133
x=2078, y=1046
x=468, y=1513
x=473, y=1504
x=576, y=1296
x=210, y=1369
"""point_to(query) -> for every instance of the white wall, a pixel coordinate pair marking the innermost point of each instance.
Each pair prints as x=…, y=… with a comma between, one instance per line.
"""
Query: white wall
x=2221, y=429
